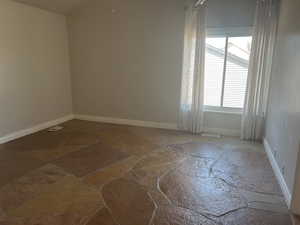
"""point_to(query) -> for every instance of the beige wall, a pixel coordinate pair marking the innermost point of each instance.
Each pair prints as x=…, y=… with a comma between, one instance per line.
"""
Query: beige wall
x=230, y=13
x=127, y=64
x=126, y=58
x=283, y=119
x=223, y=123
x=296, y=191
x=34, y=67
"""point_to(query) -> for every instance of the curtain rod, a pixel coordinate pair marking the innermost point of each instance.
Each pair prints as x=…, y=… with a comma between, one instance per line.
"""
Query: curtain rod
x=200, y=2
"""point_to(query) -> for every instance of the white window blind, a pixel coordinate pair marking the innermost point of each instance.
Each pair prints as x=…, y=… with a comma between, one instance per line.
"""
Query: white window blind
x=226, y=70
x=214, y=69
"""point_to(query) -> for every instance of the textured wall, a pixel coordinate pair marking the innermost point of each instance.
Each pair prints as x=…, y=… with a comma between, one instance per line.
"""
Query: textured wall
x=34, y=71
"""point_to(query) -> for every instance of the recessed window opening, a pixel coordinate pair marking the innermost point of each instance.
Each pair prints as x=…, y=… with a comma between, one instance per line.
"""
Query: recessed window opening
x=226, y=71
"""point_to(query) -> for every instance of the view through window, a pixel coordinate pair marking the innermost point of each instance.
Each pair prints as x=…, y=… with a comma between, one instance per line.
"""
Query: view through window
x=226, y=71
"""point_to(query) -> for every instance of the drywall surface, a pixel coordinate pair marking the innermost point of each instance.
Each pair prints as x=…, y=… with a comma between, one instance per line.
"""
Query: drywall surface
x=59, y=6
x=296, y=191
x=34, y=70
x=283, y=119
x=230, y=13
x=126, y=59
x=223, y=123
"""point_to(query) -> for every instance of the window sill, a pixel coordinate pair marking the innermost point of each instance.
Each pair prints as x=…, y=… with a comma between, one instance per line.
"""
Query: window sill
x=223, y=110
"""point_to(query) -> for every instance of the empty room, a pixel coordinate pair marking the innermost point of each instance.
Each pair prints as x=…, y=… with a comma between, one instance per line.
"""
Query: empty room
x=149, y=112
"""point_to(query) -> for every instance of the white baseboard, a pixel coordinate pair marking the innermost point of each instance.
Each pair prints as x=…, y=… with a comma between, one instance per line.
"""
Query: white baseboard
x=224, y=132
x=169, y=126
x=34, y=129
x=286, y=192
x=138, y=123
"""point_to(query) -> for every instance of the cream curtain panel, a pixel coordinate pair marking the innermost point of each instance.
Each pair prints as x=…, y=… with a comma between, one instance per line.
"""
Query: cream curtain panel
x=192, y=90
x=264, y=36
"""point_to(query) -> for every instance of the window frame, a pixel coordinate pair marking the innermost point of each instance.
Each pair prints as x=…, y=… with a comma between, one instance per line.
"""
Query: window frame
x=226, y=33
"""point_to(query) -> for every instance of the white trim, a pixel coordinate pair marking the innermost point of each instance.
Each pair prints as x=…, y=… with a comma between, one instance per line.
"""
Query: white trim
x=277, y=171
x=139, y=123
x=224, y=110
x=221, y=131
x=229, y=31
x=34, y=129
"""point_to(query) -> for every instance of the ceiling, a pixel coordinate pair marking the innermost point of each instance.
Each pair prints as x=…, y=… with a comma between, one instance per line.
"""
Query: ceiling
x=59, y=6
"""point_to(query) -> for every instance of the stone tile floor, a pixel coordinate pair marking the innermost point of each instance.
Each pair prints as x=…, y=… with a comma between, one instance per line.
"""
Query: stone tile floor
x=101, y=174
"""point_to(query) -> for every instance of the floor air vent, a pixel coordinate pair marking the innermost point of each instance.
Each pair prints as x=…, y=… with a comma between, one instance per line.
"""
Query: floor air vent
x=54, y=129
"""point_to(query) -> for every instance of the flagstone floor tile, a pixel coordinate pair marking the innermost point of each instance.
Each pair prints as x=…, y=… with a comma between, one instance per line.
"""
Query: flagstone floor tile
x=90, y=159
x=256, y=217
x=247, y=170
x=129, y=203
x=103, y=174
x=67, y=202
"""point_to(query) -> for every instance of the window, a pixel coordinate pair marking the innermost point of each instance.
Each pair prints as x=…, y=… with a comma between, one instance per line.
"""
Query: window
x=226, y=70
